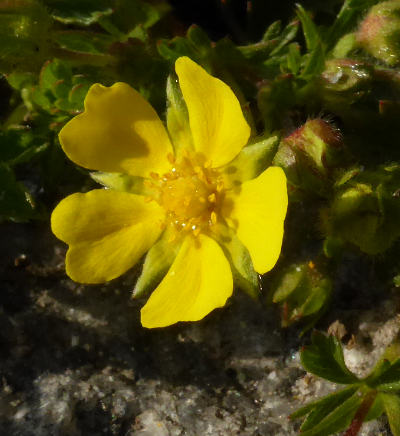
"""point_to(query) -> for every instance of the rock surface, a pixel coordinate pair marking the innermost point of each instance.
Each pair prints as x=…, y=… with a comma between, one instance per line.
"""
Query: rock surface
x=75, y=360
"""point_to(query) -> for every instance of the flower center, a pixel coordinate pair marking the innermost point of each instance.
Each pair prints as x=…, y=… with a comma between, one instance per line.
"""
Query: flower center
x=190, y=193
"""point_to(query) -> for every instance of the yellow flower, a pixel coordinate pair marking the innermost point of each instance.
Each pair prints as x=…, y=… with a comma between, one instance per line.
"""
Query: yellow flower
x=200, y=206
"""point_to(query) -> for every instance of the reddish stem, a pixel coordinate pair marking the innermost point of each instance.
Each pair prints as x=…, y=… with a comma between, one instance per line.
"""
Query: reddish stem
x=361, y=413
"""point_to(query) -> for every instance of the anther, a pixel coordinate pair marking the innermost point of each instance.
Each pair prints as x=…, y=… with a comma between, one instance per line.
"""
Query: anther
x=171, y=158
x=213, y=217
x=212, y=198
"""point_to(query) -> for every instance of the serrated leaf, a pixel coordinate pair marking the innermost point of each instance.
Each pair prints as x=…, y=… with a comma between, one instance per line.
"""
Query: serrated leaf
x=251, y=161
x=242, y=267
x=324, y=358
x=310, y=30
x=317, y=410
x=157, y=263
x=338, y=419
x=392, y=409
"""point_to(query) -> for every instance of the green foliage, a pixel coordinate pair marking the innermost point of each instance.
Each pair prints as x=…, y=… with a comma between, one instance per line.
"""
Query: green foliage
x=362, y=399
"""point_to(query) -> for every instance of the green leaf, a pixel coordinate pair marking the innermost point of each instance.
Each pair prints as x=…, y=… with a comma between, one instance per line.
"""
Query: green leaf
x=324, y=358
x=243, y=271
x=83, y=42
x=347, y=18
x=290, y=281
x=317, y=298
x=199, y=39
x=392, y=409
x=251, y=161
x=389, y=379
x=344, y=46
x=310, y=30
x=157, y=263
x=317, y=410
x=287, y=35
x=294, y=58
x=338, y=419
x=20, y=80
x=272, y=31
x=54, y=73
x=15, y=202
x=315, y=62
x=84, y=12
x=77, y=94
x=376, y=410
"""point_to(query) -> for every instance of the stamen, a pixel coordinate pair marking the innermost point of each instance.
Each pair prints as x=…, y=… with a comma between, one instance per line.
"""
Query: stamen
x=212, y=198
x=154, y=176
x=213, y=217
x=171, y=158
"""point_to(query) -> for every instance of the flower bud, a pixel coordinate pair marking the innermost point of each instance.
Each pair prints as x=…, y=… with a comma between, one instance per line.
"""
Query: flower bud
x=345, y=78
x=309, y=154
x=302, y=291
x=366, y=210
x=379, y=32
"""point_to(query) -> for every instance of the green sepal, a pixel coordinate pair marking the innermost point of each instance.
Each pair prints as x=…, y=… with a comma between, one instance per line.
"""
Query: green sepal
x=122, y=182
x=392, y=408
x=324, y=358
x=177, y=116
x=251, y=161
x=345, y=45
x=243, y=271
x=157, y=263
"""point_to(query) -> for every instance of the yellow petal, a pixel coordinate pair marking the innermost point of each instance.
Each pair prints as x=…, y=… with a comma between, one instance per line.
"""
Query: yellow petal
x=118, y=132
x=216, y=120
x=257, y=213
x=198, y=281
x=107, y=232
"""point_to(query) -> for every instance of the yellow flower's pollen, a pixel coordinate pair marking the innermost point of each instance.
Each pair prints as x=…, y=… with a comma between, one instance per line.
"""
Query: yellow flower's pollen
x=171, y=158
x=154, y=176
x=190, y=193
x=212, y=198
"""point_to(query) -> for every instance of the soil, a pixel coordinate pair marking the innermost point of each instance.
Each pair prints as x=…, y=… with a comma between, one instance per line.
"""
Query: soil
x=75, y=360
